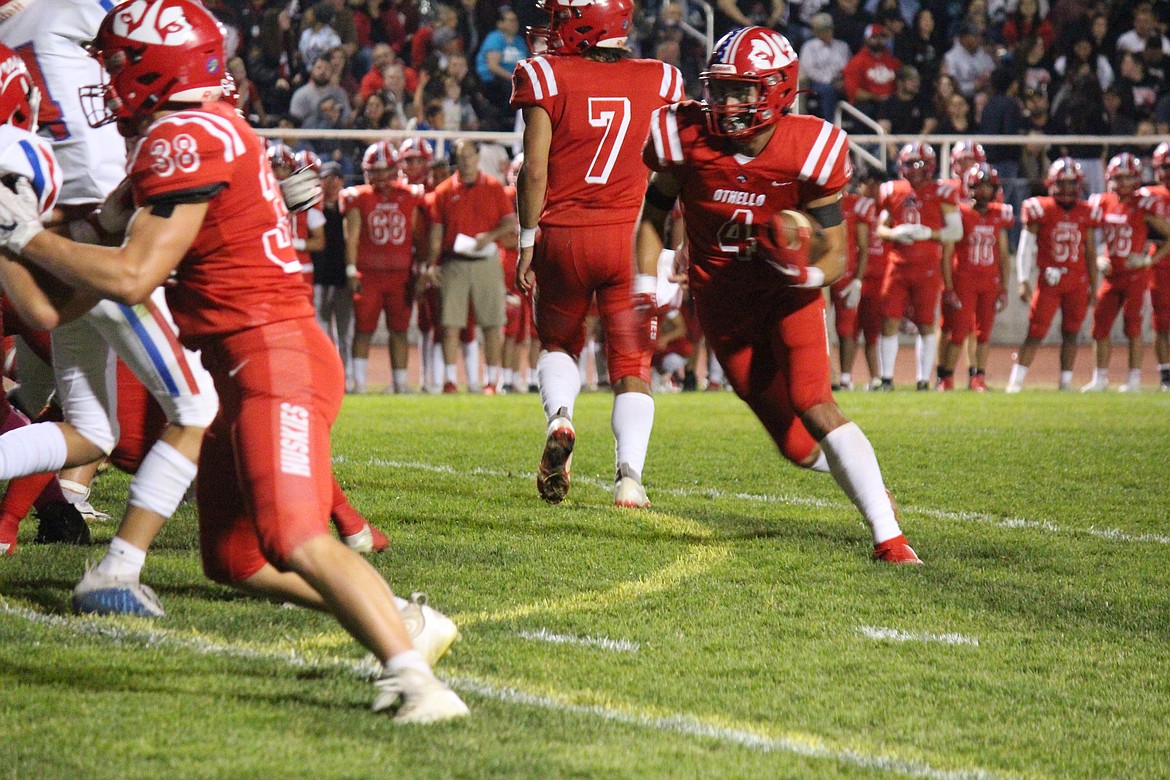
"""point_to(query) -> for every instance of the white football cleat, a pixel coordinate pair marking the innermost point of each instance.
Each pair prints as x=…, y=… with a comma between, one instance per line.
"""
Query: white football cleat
x=362, y=542
x=628, y=490
x=556, y=462
x=1095, y=386
x=98, y=594
x=1013, y=387
x=1129, y=388
x=431, y=632
x=417, y=696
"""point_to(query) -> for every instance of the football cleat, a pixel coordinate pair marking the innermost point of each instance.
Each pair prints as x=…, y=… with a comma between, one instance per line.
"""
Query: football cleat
x=450, y=388
x=417, y=696
x=1095, y=386
x=61, y=523
x=366, y=541
x=100, y=595
x=896, y=551
x=491, y=390
x=945, y=384
x=552, y=476
x=91, y=515
x=628, y=490
x=978, y=383
x=431, y=632
x=922, y=385
x=1013, y=388
x=1130, y=387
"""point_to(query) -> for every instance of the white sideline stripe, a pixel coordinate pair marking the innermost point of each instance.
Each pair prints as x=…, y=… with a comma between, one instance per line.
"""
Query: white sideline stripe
x=685, y=725
x=604, y=642
x=1109, y=534
x=894, y=635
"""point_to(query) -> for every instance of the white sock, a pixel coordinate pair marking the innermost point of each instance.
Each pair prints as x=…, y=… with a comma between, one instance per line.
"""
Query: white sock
x=32, y=449
x=74, y=492
x=123, y=560
x=162, y=480
x=1018, y=375
x=493, y=375
x=887, y=356
x=714, y=370
x=926, y=349
x=631, y=422
x=854, y=465
x=508, y=376
x=450, y=373
x=1101, y=376
x=1135, y=378
x=1164, y=367
x=435, y=356
x=399, y=375
x=822, y=463
x=359, y=373
x=428, y=365
x=471, y=363
x=411, y=659
x=846, y=379
x=560, y=384
x=673, y=363
x=1066, y=377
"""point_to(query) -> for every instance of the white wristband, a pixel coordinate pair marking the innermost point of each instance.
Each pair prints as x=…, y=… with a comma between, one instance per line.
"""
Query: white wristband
x=299, y=244
x=351, y=272
x=527, y=237
x=816, y=277
x=645, y=284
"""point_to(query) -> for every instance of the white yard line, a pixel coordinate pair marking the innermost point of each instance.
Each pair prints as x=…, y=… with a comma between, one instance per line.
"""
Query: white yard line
x=604, y=642
x=1046, y=526
x=894, y=635
x=679, y=724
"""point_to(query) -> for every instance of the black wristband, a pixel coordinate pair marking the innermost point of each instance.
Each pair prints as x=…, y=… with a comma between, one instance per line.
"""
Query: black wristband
x=658, y=199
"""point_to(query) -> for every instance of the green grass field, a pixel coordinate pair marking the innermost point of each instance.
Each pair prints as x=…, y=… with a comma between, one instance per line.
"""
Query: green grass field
x=737, y=630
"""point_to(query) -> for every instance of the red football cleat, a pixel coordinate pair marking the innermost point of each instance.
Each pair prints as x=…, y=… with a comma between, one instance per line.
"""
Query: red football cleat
x=896, y=550
x=449, y=388
x=945, y=384
x=380, y=540
x=978, y=383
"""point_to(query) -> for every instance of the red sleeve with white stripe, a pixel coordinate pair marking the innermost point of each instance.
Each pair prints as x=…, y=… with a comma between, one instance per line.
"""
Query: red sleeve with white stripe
x=533, y=84
x=663, y=149
x=183, y=153
x=826, y=168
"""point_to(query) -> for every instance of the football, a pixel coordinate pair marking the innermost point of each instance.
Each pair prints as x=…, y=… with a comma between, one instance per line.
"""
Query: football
x=793, y=228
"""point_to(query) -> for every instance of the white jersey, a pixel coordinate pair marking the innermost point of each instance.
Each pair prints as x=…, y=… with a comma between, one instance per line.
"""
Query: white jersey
x=50, y=36
x=30, y=156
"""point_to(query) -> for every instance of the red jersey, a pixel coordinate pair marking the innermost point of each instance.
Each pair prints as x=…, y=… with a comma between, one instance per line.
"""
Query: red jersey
x=873, y=74
x=875, y=267
x=469, y=209
x=1060, y=233
x=724, y=196
x=600, y=114
x=241, y=272
x=388, y=224
x=1124, y=226
x=924, y=207
x=302, y=222
x=977, y=253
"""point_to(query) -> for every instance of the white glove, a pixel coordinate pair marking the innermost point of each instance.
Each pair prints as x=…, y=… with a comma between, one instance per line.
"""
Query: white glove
x=302, y=189
x=1136, y=261
x=920, y=232
x=1103, y=264
x=902, y=234
x=117, y=210
x=20, y=215
x=851, y=294
x=1052, y=275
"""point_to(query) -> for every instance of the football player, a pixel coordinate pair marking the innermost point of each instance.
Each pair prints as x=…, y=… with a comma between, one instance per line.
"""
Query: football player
x=919, y=221
x=869, y=309
x=1160, y=293
x=586, y=110
x=845, y=293
x=964, y=155
x=1128, y=213
x=1060, y=239
x=737, y=160
x=980, y=275
x=384, y=233
x=212, y=216
x=308, y=225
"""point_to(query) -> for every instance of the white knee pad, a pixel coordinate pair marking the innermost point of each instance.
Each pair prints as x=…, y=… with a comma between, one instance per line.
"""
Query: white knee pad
x=162, y=480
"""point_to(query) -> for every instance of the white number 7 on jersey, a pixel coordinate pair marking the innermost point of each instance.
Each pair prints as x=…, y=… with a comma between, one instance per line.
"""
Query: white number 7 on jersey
x=614, y=115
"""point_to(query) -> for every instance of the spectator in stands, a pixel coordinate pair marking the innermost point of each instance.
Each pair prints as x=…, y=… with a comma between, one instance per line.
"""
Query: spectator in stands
x=307, y=99
x=382, y=55
x=1082, y=112
x=895, y=26
x=423, y=44
x=908, y=111
x=457, y=68
x=850, y=22
x=1162, y=115
x=376, y=115
x=501, y=50
x=1033, y=64
x=1034, y=160
x=1004, y=115
x=1138, y=91
x=1119, y=107
x=730, y=14
x=459, y=114
x=968, y=62
x=956, y=120
x=975, y=17
x=1098, y=32
x=345, y=24
x=869, y=76
x=328, y=116
x=944, y=87
x=1083, y=58
x=1144, y=26
x=342, y=76
x=668, y=28
x=1028, y=18
x=1156, y=62
x=399, y=101
x=822, y=61
x=379, y=22
x=331, y=292
x=317, y=35
x=270, y=61
x=921, y=46
x=248, y=100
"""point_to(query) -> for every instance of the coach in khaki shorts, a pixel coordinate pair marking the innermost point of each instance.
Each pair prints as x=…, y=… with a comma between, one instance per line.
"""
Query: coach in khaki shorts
x=470, y=214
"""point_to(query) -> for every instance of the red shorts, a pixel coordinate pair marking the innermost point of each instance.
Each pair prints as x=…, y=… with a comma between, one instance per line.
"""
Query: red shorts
x=978, y=296
x=1160, y=297
x=383, y=291
x=869, y=311
x=770, y=340
x=1124, y=292
x=518, y=308
x=1070, y=297
x=570, y=269
x=912, y=291
x=265, y=483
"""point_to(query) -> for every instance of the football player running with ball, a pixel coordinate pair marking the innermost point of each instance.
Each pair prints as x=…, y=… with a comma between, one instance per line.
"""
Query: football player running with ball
x=212, y=216
x=739, y=162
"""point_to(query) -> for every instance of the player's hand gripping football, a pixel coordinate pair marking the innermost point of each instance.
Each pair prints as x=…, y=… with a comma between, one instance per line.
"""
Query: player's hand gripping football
x=20, y=214
x=302, y=189
x=784, y=244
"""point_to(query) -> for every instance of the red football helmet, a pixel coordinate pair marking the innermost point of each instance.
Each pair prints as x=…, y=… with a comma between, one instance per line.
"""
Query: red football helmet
x=20, y=100
x=1161, y=163
x=980, y=173
x=282, y=159
x=964, y=154
x=380, y=164
x=917, y=163
x=307, y=159
x=1124, y=174
x=750, y=81
x=577, y=25
x=415, y=156
x=1065, y=181
x=154, y=52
